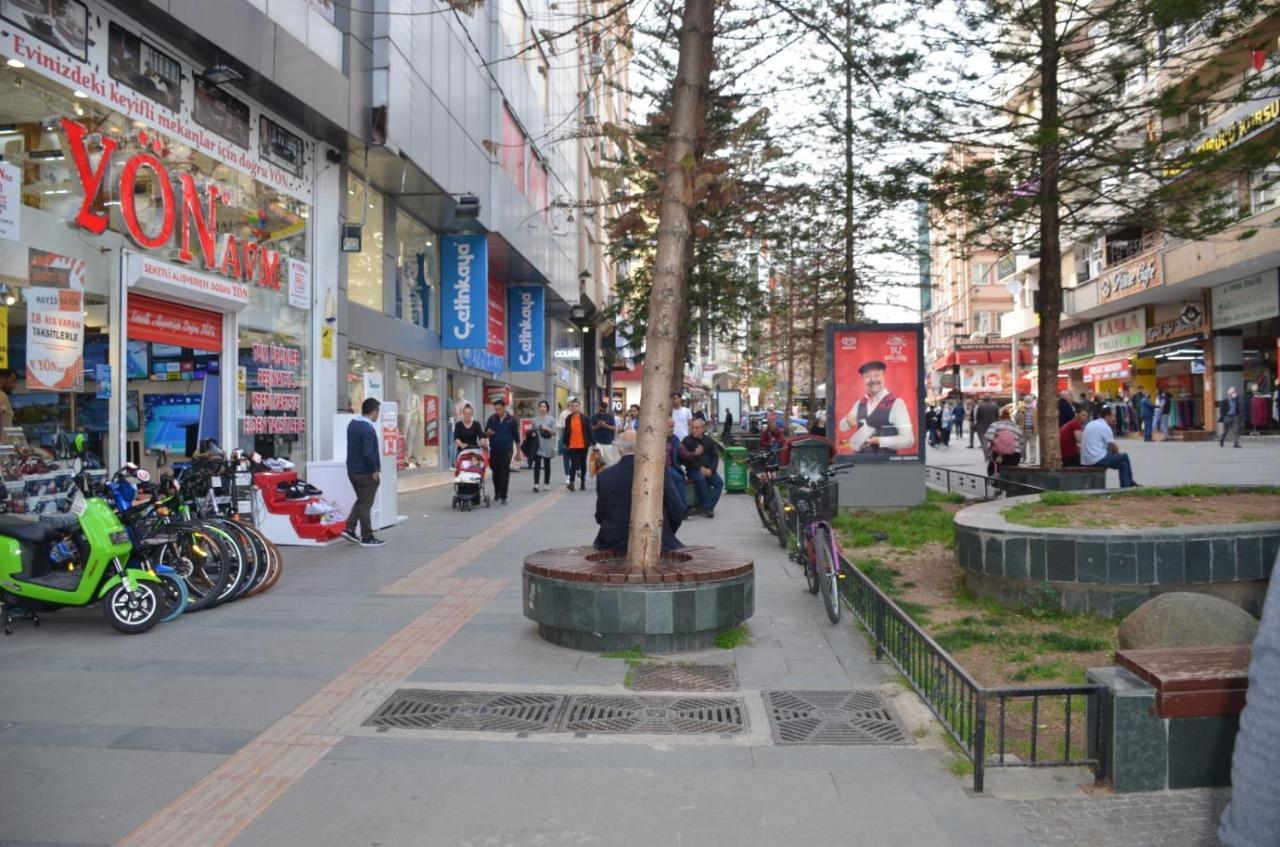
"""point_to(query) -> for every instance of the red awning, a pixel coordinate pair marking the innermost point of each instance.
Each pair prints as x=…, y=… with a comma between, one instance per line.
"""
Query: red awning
x=945, y=362
x=974, y=357
x=634, y=375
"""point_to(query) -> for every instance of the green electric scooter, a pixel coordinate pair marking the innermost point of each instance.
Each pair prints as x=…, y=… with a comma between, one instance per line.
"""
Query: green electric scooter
x=91, y=566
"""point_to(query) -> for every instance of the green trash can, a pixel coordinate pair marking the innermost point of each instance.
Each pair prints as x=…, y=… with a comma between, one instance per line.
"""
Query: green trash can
x=735, y=469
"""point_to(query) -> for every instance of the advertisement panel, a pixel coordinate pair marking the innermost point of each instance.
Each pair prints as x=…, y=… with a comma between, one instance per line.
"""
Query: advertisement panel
x=173, y=324
x=430, y=420
x=526, y=322
x=55, y=340
x=1075, y=343
x=1247, y=300
x=497, y=344
x=1120, y=332
x=728, y=401
x=876, y=386
x=464, y=263
x=986, y=379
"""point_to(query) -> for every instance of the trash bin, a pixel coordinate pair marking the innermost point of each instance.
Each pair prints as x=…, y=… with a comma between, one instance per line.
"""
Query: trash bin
x=807, y=455
x=735, y=469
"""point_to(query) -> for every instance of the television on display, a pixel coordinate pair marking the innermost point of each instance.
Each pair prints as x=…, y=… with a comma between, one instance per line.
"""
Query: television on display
x=92, y=414
x=132, y=414
x=95, y=351
x=136, y=360
x=165, y=420
x=166, y=351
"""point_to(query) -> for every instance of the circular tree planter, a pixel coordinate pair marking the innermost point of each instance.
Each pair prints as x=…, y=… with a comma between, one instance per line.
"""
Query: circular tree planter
x=1063, y=479
x=584, y=598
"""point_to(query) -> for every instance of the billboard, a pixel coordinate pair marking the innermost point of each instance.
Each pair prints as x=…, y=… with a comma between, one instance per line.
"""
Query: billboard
x=526, y=318
x=464, y=263
x=875, y=391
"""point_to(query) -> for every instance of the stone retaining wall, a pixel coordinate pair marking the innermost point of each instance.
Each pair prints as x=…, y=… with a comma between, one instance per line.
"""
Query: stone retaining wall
x=1110, y=571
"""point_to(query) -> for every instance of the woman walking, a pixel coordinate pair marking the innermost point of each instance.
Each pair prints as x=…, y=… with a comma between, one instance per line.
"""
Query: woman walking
x=467, y=432
x=575, y=440
x=544, y=427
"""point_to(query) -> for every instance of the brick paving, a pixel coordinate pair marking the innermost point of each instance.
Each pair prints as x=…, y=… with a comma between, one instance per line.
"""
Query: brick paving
x=1186, y=818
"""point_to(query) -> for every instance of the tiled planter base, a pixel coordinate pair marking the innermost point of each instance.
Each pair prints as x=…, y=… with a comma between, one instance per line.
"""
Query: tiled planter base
x=583, y=599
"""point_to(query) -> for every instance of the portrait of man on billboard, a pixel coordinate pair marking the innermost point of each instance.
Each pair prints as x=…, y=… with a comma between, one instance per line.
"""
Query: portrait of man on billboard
x=874, y=392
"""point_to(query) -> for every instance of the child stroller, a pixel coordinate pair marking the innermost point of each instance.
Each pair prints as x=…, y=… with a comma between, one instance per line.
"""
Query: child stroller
x=468, y=479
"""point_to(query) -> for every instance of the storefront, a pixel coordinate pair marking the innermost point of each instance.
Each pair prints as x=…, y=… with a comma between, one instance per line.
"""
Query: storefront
x=1246, y=326
x=1176, y=342
x=154, y=249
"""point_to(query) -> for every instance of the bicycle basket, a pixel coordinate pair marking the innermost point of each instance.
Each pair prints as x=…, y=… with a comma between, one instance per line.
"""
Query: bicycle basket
x=818, y=500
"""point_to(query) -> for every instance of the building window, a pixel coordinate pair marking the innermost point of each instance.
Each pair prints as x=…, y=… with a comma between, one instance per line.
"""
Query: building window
x=364, y=269
x=513, y=146
x=1264, y=188
x=418, y=399
x=983, y=273
x=417, y=272
x=984, y=323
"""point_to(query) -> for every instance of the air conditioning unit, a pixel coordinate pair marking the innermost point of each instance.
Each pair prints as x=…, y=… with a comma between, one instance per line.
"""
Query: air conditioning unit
x=589, y=110
x=597, y=62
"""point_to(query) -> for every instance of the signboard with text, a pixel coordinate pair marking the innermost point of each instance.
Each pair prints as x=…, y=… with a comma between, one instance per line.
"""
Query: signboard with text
x=526, y=322
x=1120, y=332
x=1244, y=301
x=464, y=263
x=497, y=344
x=876, y=387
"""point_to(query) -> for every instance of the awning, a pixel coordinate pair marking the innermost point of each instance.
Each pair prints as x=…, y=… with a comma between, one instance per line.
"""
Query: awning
x=998, y=356
x=1193, y=342
x=945, y=362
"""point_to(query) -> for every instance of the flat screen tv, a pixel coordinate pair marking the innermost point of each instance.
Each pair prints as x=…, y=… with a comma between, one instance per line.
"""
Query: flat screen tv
x=165, y=421
x=136, y=360
x=166, y=351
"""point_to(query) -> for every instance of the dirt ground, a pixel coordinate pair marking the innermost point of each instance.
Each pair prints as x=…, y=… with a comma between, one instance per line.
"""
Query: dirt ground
x=1120, y=511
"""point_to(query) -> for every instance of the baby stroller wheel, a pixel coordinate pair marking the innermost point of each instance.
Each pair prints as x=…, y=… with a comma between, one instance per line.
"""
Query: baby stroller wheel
x=486, y=501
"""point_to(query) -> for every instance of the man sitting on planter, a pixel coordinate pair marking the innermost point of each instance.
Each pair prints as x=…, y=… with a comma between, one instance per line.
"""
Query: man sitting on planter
x=1071, y=435
x=1099, y=449
x=613, y=502
x=701, y=459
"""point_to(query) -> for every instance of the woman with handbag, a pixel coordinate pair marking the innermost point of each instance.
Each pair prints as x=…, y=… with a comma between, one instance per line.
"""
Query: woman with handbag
x=544, y=431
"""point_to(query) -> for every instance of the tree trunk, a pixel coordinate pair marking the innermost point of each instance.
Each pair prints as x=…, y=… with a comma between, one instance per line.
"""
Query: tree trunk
x=791, y=341
x=850, y=278
x=1050, y=247
x=815, y=344
x=667, y=296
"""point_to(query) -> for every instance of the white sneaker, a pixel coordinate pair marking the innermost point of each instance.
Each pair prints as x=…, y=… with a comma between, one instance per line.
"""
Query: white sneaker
x=535, y=489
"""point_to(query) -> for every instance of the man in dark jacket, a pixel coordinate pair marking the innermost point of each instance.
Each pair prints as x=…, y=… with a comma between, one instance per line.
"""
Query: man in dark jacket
x=364, y=463
x=503, y=431
x=701, y=458
x=1229, y=411
x=613, y=502
x=983, y=417
x=1066, y=409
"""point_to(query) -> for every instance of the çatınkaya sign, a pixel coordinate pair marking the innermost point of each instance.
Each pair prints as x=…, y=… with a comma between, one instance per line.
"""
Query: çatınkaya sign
x=246, y=261
x=1120, y=332
x=1247, y=300
x=464, y=261
x=526, y=317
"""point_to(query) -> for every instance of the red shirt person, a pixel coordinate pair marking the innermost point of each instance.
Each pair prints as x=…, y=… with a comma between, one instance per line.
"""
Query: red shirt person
x=1070, y=436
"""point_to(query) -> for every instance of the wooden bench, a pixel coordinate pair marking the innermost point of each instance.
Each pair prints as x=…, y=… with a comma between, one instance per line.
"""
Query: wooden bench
x=1192, y=682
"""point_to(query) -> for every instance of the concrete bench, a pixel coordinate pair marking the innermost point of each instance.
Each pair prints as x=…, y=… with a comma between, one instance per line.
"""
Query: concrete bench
x=1170, y=716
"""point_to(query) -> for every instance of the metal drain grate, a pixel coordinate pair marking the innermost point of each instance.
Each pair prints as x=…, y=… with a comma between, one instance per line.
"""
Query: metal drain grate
x=832, y=717
x=672, y=676
x=475, y=711
x=661, y=715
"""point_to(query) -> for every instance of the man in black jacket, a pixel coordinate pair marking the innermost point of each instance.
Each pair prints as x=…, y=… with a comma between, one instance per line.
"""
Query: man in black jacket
x=983, y=417
x=1229, y=414
x=613, y=502
x=701, y=458
x=364, y=463
x=503, y=432
x=1066, y=409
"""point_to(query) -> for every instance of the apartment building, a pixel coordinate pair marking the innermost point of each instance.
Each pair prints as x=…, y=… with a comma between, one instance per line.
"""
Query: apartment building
x=1147, y=311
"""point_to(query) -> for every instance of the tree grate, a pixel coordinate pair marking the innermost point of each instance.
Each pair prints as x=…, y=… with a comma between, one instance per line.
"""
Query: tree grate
x=654, y=715
x=474, y=711
x=832, y=717
x=672, y=676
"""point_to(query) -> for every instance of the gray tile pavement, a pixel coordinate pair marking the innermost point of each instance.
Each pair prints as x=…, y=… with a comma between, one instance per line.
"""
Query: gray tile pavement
x=97, y=715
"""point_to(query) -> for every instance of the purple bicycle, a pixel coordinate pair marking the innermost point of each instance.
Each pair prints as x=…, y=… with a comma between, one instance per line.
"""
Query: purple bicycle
x=811, y=504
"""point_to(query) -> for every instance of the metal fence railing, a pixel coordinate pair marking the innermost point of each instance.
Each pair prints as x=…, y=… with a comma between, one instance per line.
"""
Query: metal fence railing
x=976, y=486
x=1047, y=731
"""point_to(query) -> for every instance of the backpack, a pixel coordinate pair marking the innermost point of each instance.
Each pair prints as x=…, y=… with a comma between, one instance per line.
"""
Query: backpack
x=1005, y=443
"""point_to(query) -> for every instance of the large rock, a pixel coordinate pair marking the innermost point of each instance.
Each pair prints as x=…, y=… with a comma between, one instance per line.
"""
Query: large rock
x=1186, y=619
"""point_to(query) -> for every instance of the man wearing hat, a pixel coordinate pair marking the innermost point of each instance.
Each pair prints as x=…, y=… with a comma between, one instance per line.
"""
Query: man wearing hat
x=878, y=422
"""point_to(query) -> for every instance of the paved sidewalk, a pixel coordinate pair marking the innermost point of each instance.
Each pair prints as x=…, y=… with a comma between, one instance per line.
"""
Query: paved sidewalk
x=243, y=724
x=1257, y=462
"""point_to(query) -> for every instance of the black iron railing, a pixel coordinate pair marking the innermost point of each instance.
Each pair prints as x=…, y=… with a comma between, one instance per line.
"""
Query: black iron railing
x=964, y=707
x=976, y=486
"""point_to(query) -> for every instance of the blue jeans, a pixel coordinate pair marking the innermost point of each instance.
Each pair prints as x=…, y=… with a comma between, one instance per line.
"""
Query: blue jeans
x=678, y=479
x=709, y=489
x=1119, y=462
x=1146, y=429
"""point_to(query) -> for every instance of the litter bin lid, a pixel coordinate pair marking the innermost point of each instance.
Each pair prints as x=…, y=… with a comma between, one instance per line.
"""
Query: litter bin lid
x=738, y=453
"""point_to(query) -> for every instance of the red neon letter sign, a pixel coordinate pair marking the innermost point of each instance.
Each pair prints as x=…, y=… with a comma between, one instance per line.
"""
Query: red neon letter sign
x=128, y=180
x=91, y=180
x=206, y=227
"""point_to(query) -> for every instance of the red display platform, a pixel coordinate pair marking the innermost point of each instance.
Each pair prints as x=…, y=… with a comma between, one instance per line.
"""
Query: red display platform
x=285, y=520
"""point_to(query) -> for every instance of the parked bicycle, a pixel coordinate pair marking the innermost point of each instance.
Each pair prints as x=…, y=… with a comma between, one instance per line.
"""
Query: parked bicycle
x=812, y=502
x=763, y=470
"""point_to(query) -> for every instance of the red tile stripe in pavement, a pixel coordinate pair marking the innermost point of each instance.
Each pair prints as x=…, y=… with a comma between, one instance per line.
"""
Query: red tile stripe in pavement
x=219, y=807
x=425, y=579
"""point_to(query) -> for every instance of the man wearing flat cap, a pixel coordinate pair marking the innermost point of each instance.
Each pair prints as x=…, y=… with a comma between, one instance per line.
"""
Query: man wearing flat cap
x=878, y=422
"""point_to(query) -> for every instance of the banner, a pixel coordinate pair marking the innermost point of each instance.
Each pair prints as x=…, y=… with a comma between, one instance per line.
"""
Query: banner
x=1246, y=300
x=171, y=323
x=464, y=263
x=526, y=321
x=299, y=284
x=876, y=391
x=10, y=201
x=55, y=340
x=54, y=270
x=986, y=379
x=497, y=342
x=430, y=420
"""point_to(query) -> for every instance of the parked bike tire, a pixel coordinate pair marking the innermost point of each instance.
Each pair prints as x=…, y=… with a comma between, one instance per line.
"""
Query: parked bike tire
x=811, y=577
x=175, y=593
x=234, y=540
x=827, y=573
x=206, y=575
x=266, y=553
x=134, y=612
x=780, y=516
x=234, y=557
x=765, y=509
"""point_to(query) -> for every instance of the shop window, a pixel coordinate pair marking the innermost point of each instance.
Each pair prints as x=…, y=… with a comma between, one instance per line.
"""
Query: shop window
x=364, y=377
x=419, y=417
x=417, y=272
x=364, y=269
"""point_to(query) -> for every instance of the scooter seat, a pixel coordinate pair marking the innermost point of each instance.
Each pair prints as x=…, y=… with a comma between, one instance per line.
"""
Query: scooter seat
x=26, y=529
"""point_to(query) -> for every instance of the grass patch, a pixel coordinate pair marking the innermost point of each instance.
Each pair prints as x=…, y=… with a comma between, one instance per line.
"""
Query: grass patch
x=953, y=497
x=734, y=636
x=1195, y=490
x=905, y=529
x=1182, y=510
x=1060, y=498
x=631, y=654
x=886, y=579
x=957, y=763
x=964, y=637
x=1061, y=642
x=1032, y=514
x=1057, y=669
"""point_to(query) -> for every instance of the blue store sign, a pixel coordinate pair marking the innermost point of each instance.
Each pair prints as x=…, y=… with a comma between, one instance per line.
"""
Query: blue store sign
x=465, y=273
x=526, y=317
x=481, y=360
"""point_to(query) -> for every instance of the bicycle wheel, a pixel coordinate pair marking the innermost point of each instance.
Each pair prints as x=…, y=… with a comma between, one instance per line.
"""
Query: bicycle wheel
x=780, y=517
x=827, y=573
x=267, y=554
x=204, y=569
x=230, y=549
x=230, y=533
x=764, y=507
x=810, y=570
